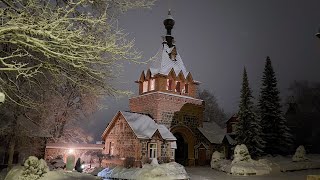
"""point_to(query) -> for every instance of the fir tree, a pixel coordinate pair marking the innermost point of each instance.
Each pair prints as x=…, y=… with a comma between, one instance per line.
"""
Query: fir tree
x=248, y=129
x=275, y=131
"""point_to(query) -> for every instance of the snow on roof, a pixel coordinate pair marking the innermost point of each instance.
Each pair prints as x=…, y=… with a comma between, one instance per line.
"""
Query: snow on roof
x=144, y=126
x=230, y=140
x=165, y=133
x=74, y=146
x=213, y=132
x=162, y=64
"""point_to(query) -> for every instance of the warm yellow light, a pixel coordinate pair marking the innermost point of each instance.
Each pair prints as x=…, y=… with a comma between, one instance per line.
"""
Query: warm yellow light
x=71, y=151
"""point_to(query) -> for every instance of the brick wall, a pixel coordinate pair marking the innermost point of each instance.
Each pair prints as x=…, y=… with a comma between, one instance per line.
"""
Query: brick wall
x=169, y=109
x=125, y=142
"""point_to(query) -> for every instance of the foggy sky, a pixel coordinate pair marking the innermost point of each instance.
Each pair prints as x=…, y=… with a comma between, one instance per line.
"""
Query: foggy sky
x=217, y=38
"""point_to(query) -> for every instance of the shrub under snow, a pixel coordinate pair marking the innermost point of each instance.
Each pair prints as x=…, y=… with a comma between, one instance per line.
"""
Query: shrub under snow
x=56, y=163
x=299, y=155
x=34, y=168
x=241, y=153
x=242, y=163
x=215, y=159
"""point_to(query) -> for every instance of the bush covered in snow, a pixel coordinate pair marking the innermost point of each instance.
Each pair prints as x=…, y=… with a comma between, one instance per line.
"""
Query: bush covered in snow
x=34, y=168
x=56, y=163
x=241, y=153
x=216, y=157
x=242, y=163
x=299, y=155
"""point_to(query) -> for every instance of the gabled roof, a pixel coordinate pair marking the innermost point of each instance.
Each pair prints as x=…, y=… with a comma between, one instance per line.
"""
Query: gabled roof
x=143, y=126
x=213, y=132
x=230, y=140
x=234, y=117
x=162, y=64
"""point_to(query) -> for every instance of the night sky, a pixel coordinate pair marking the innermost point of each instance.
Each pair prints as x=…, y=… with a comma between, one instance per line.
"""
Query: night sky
x=217, y=38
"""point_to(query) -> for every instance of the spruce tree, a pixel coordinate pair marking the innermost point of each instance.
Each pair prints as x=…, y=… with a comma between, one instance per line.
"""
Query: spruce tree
x=275, y=131
x=248, y=129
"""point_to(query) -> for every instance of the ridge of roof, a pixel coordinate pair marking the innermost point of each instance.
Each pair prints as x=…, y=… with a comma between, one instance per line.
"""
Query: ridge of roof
x=162, y=64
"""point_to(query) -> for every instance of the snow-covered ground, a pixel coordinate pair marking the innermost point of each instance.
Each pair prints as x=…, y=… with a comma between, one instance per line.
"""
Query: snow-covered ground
x=283, y=164
x=51, y=175
x=206, y=173
x=165, y=171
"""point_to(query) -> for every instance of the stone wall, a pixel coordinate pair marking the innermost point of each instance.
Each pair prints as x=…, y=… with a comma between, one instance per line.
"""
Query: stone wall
x=121, y=140
x=88, y=156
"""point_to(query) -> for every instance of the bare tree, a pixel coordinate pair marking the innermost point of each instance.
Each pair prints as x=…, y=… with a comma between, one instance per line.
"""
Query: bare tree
x=68, y=43
x=213, y=112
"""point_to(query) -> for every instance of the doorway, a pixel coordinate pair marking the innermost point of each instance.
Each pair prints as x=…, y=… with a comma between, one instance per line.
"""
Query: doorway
x=181, y=153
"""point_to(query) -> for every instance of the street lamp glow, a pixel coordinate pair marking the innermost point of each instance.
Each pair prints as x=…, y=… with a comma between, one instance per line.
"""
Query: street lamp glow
x=2, y=97
x=71, y=151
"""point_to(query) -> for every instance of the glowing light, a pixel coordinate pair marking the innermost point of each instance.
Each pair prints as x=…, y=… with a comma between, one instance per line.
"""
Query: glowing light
x=82, y=166
x=71, y=151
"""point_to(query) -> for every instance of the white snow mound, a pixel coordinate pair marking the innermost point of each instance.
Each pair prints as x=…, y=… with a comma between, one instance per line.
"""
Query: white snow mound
x=241, y=153
x=299, y=155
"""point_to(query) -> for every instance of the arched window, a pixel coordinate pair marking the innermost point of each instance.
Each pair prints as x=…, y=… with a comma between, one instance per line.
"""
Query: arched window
x=152, y=84
x=186, y=88
x=145, y=86
x=177, y=86
x=169, y=85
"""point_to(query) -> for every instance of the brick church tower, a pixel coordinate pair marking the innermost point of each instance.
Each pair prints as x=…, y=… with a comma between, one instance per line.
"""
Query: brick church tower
x=167, y=92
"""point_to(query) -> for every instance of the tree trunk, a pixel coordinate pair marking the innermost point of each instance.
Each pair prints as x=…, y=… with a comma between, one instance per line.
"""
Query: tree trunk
x=12, y=142
x=12, y=145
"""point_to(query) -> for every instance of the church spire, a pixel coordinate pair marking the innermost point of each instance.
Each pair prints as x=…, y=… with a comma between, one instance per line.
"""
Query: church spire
x=168, y=24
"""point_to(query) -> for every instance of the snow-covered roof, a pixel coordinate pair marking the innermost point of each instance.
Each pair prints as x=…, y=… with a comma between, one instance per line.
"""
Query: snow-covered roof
x=74, y=146
x=165, y=133
x=230, y=140
x=213, y=132
x=144, y=126
x=162, y=64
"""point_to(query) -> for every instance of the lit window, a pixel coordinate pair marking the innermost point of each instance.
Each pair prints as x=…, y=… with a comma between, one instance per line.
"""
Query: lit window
x=145, y=86
x=152, y=150
x=172, y=153
x=111, y=147
x=152, y=84
x=233, y=127
x=169, y=84
x=177, y=86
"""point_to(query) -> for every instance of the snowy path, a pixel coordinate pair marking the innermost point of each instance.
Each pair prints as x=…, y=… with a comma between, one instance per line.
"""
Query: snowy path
x=206, y=173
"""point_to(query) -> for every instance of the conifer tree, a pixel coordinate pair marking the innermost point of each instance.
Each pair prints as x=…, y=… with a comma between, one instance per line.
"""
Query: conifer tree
x=276, y=133
x=248, y=129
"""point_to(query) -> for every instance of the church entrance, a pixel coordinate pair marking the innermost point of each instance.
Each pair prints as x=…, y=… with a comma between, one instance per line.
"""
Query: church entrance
x=181, y=153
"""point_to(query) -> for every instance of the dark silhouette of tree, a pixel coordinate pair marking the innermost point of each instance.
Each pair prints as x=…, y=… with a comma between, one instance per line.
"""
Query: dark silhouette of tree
x=274, y=126
x=248, y=130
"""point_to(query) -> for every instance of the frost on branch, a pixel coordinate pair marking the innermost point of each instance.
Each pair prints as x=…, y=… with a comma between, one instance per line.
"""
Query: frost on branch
x=299, y=155
x=39, y=39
